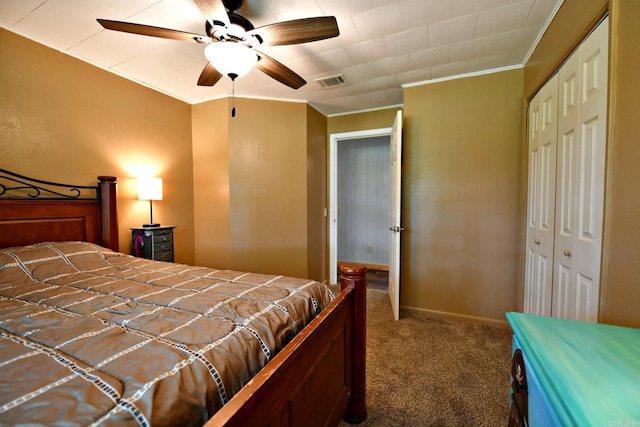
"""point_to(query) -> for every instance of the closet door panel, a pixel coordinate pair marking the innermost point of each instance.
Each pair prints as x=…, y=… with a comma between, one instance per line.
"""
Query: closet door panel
x=547, y=192
x=589, y=210
x=562, y=306
x=566, y=184
x=547, y=195
x=565, y=228
x=530, y=269
x=586, y=297
x=541, y=200
x=566, y=196
x=581, y=160
x=529, y=281
x=592, y=117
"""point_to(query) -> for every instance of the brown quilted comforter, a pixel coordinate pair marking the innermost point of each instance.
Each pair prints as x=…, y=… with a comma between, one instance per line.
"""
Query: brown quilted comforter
x=89, y=336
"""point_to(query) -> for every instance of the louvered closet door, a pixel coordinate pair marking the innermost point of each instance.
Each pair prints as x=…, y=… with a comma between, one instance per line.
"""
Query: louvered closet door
x=580, y=179
x=541, y=200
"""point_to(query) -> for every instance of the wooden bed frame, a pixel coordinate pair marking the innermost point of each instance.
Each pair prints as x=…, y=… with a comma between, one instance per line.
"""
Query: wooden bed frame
x=316, y=380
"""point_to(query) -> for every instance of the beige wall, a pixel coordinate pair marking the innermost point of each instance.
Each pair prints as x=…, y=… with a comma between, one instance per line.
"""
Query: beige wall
x=621, y=289
x=210, y=128
x=460, y=196
x=66, y=121
x=250, y=175
x=620, y=293
x=377, y=119
x=268, y=187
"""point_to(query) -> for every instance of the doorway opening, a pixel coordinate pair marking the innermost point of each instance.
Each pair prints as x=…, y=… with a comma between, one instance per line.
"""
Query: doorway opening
x=360, y=161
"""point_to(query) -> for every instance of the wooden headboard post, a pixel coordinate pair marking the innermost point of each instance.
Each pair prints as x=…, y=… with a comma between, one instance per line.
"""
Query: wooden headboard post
x=354, y=275
x=108, y=193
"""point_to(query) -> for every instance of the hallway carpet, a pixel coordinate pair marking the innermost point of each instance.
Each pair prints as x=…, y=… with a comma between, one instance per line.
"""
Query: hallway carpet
x=424, y=371
x=378, y=279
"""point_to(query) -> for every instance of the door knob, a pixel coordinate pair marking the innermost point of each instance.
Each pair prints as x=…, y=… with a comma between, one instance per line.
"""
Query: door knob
x=567, y=252
x=537, y=242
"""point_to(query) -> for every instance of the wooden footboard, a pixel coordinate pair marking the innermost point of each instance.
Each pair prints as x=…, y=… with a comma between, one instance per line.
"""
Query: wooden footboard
x=319, y=377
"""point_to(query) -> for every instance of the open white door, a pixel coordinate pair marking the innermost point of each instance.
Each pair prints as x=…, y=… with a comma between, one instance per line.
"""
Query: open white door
x=394, y=215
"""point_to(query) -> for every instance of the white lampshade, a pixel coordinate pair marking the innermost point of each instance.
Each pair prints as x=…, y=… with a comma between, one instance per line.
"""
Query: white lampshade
x=231, y=58
x=150, y=188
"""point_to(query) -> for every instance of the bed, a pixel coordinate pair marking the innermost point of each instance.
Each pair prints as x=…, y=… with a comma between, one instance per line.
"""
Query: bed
x=91, y=336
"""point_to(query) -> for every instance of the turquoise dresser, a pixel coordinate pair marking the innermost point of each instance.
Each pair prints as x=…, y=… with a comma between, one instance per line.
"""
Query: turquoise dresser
x=572, y=373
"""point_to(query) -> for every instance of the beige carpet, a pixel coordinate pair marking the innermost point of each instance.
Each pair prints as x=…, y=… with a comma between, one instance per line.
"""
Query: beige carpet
x=424, y=371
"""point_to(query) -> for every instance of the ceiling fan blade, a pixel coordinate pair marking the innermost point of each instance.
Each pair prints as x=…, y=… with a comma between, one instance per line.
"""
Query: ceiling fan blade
x=213, y=10
x=297, y=31
x=147, y=30
x=281, y=73
x=209, y=76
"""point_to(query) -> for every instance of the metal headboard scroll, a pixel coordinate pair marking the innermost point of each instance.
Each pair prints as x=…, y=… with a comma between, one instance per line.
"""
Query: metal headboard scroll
x=14, y=186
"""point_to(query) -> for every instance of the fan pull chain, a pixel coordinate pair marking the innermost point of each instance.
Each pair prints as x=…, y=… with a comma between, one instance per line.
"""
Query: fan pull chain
x=233, y=97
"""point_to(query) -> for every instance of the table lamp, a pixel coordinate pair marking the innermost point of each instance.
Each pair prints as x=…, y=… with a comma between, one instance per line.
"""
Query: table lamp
x=150, y=189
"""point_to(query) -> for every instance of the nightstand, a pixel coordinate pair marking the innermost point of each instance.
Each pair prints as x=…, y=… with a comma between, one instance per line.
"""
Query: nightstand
x=153, y=242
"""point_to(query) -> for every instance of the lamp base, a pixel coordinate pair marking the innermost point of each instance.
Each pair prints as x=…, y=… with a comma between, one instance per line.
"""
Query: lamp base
x=150, y=225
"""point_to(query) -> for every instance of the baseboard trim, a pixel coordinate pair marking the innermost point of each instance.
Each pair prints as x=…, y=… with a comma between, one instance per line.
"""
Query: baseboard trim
x=455, y=316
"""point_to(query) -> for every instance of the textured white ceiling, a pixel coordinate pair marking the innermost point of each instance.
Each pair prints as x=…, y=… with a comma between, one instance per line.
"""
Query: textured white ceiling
x=383, y=44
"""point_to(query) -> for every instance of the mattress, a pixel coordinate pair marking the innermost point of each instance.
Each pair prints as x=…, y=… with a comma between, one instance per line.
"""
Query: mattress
x=90, y=336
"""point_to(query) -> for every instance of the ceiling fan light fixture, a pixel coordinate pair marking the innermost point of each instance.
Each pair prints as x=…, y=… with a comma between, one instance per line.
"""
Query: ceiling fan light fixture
x=231, y=58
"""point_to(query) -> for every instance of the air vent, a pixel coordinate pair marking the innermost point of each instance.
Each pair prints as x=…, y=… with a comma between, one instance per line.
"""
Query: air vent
x=332, y=81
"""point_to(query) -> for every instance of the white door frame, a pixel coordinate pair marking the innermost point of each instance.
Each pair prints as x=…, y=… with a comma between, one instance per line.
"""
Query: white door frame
x=334, y=138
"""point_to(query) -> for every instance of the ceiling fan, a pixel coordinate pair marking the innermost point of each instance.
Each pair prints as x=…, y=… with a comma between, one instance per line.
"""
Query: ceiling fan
x=232, y=40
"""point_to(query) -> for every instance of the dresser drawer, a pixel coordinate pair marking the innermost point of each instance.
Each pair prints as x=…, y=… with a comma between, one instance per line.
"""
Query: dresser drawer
x=163, y=256
x=159, y=239
x=160, y=247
